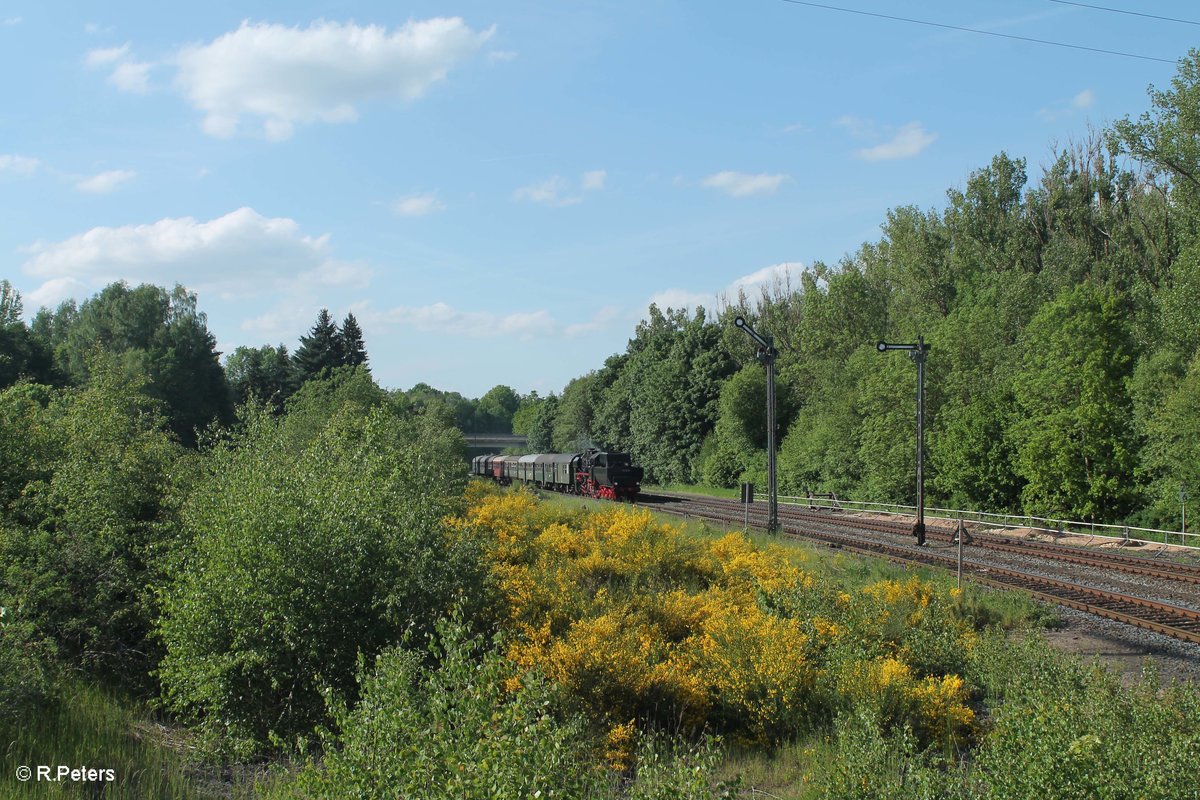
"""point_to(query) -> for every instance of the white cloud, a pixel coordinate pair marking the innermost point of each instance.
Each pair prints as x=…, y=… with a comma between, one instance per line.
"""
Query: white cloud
x=127, y=74
x=557, y=191
x=443, y=318
x=287, y=76
x=446, y=320
x=132, y=76
x=682, y=298
x=340, y=274
x=740, y=184
x=241, y=253
x=418, y=205
x=594, y=180
x=599, y=321
x=786, y=273
x=501, y=55
x=105, y=182
x=278, y=324
x=857, y=127
x=551, y=192
x=53, y=292
x=13, y=21
x=767, y=277
x=20, y=165
x=1080, y=102
x=104, y=56
x=796, y=127
x=910, y=141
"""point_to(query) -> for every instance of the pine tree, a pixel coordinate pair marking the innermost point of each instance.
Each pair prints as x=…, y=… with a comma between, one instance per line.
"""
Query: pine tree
x=320, y=351
x=353, y=351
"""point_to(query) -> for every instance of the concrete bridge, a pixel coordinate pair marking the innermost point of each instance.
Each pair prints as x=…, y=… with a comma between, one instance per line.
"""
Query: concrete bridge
x=480, y=443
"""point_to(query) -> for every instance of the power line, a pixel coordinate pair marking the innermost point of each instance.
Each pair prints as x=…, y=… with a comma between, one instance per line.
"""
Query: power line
x=976, y=30
x=1122, y=11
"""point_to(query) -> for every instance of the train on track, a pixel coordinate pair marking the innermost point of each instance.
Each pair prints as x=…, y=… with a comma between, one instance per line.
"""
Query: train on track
x=592, y=473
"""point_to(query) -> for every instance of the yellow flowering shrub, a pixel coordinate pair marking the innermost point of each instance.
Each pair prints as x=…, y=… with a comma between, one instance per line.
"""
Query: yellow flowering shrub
x=633, y=620
x=911, y=597
x=941, y=704
x=933, y=706
x=619, y=745
x=754, y=665
x=744, y=565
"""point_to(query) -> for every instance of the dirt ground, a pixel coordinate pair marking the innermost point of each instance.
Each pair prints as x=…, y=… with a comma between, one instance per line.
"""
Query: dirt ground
x=1125, y=650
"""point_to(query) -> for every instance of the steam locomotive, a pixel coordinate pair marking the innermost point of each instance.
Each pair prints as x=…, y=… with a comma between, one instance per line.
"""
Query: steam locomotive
x=592, y=473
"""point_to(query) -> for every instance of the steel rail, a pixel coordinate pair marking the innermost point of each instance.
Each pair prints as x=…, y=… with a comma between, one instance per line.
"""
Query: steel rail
x=1121, y=562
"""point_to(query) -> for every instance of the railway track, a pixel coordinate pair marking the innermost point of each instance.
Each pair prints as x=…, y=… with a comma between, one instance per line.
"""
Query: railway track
x=891, y=540
x=1109, y=560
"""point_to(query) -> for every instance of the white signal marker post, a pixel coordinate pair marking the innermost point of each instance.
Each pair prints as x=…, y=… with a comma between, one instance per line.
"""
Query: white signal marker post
x=918, y=352
x=766, y=354
x=1183, y=498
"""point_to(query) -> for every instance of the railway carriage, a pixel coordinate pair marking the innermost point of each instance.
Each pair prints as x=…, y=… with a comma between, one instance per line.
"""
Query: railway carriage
x=592, y=473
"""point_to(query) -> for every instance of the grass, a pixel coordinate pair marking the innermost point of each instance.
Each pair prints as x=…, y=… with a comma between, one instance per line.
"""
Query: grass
x=87, y=725
x=687, y=488
x=782, y=773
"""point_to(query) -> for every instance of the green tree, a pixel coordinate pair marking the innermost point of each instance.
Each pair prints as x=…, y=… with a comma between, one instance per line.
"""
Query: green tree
x=319, y=351
x=303, y=560
x=573, y=420
x=344, y=390
x=353, y=350
x=495, y=410
x=1167, y=137
x=541, y=430
x=525, y=414
x=22, y=354
x=457, y=708
x=886, y=436
x=424, y=397
x=152, y=332
x=1075, y=443
x=663, y=403
x=264, y=374
x=740, y=434
x=1171, y=456
x=89, y=516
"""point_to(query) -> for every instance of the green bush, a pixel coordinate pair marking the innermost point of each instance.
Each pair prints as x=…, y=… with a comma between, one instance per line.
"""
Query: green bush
x=670, y=769
x=859, y=761
x=461, y=721
x=450, y=730
x=300, y=559
x=1067, y=730
x=86, y=516
x=24, y=669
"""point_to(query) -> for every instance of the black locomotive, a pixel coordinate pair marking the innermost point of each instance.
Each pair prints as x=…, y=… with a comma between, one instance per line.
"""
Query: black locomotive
x=592, y=473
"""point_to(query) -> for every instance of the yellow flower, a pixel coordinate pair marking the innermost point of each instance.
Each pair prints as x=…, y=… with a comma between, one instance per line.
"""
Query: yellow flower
x=619, y=744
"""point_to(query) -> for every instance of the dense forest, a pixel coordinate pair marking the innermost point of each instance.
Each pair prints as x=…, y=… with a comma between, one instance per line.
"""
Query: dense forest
x=1063, y=316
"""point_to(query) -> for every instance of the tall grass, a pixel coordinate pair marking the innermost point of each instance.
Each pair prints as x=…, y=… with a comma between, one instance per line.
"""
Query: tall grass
x=88, y=726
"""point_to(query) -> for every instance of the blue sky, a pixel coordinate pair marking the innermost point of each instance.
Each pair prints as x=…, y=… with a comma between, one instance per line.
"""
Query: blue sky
x=499, y=190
